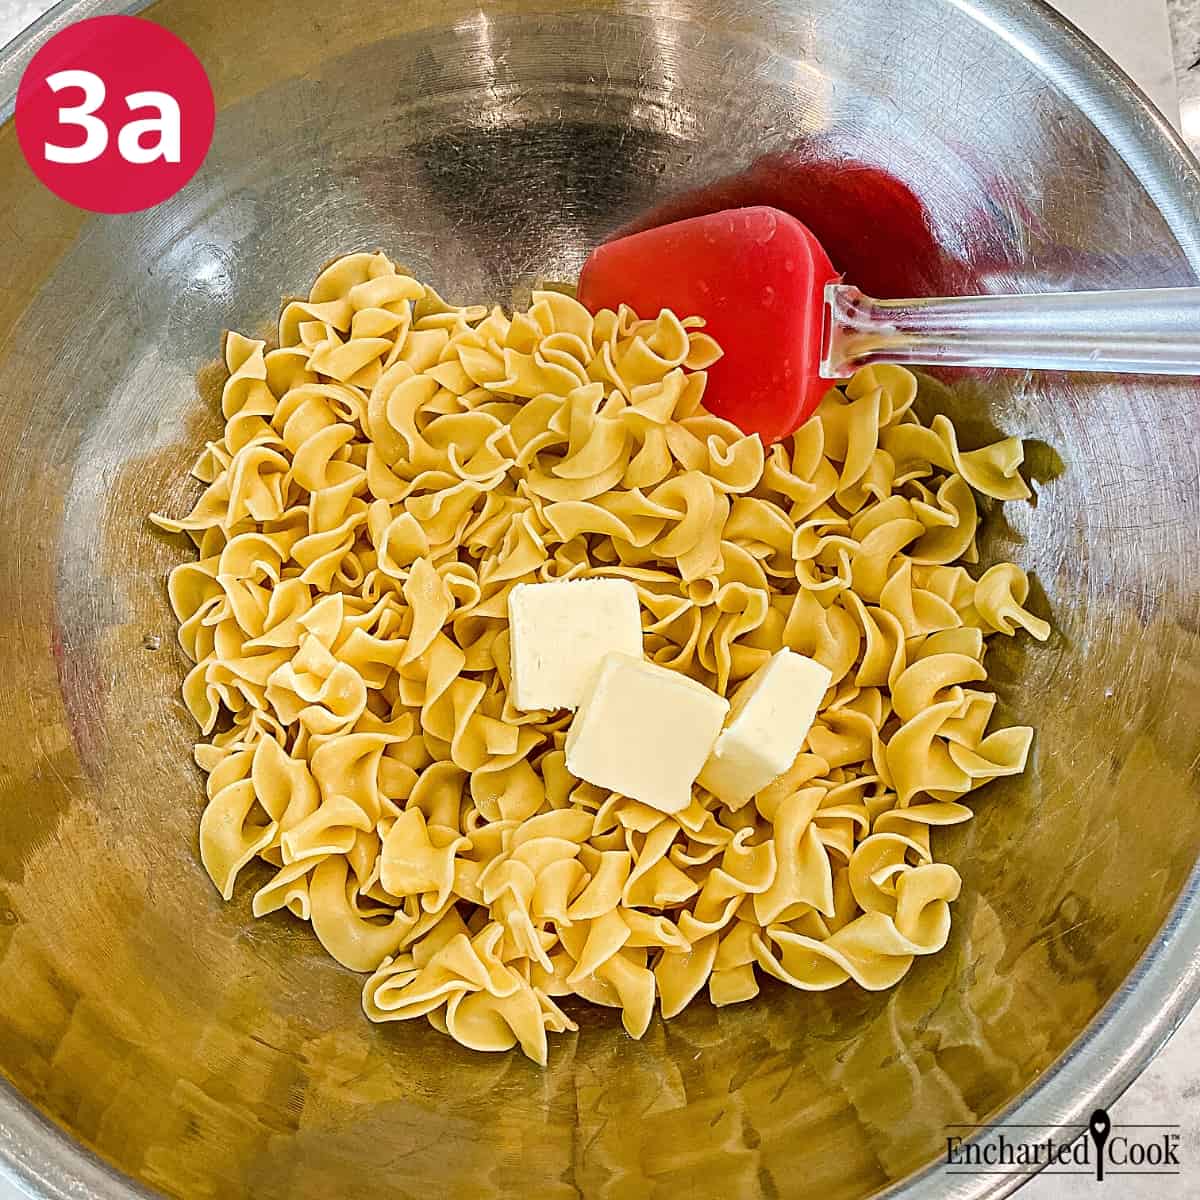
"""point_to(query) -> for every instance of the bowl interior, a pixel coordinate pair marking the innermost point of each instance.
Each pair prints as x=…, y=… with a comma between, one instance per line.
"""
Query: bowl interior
x=205, y=1054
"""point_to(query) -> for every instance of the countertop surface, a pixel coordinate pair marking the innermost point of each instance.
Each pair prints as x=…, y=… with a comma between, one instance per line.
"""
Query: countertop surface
x=1158, y=43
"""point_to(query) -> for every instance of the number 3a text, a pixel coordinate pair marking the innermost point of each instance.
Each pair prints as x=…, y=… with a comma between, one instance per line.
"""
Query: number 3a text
x=166, y=125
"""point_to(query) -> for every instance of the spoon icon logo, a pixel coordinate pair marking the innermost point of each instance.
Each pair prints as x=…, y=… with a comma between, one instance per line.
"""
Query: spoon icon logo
x=1099, y=1127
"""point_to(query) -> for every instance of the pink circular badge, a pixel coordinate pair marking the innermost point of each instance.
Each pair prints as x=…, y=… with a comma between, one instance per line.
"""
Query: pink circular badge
x=114, y=114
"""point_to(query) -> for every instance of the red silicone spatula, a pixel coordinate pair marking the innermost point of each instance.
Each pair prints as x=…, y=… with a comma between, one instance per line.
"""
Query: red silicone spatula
x=757, y=276
x=771, y=298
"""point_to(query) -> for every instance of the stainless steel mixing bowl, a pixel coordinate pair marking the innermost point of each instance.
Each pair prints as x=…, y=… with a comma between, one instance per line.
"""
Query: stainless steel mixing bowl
x=154, y=1039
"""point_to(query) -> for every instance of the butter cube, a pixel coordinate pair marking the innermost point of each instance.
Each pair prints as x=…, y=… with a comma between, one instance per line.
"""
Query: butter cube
x=769, y=719
x=560, y=632
x=644, y=731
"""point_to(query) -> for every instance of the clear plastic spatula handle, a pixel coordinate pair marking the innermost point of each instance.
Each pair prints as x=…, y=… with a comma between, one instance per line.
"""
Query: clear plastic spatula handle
x=1154, y=332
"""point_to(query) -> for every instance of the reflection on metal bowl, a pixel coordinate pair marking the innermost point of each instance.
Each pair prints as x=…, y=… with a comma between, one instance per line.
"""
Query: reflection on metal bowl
x=176, y=1046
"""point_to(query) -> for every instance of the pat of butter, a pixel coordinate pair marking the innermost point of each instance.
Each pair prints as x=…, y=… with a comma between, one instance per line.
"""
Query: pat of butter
x=560, y=633
x=644, y=731
x=769, y=719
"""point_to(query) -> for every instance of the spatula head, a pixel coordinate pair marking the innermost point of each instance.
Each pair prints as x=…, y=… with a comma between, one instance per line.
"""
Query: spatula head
x=757, y=276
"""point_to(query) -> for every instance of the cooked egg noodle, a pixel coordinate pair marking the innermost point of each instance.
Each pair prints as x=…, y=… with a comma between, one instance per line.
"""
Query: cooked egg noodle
x=390, y=471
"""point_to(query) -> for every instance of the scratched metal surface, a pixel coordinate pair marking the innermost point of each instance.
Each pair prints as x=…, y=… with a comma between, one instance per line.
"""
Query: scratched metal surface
x=201, y=1054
